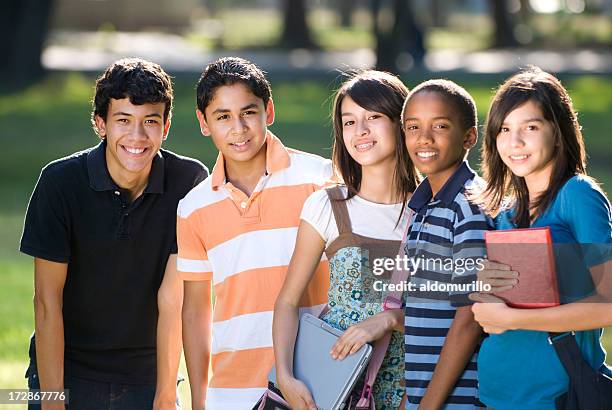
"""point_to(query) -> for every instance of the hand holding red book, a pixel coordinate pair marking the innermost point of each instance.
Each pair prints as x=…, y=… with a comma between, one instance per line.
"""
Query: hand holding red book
x=528, y=252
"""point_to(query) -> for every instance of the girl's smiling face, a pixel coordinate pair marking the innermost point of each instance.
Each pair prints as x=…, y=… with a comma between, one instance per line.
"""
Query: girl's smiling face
x=526, y=144
x=369, y=136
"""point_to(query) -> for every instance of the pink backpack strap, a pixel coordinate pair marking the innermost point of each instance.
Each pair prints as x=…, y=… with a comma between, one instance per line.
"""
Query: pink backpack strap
x=393, y=300
x=323, y=311
x=269, y=394
x=380, y=349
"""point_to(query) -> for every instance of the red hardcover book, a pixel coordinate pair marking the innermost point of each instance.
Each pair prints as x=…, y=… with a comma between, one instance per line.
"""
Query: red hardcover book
x=530, y=253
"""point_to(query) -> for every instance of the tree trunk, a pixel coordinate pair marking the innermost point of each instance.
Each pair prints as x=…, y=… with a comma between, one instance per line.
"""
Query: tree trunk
x=438, y=16
x=296, y=33
x=23, y=28
x=407, y=32
x=345, y=10
x=384, y=54
x=405, y=36
x=504, y=25
x=525, y=11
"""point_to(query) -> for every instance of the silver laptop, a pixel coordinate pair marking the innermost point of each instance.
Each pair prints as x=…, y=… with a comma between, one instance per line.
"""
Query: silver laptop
x=330, y=381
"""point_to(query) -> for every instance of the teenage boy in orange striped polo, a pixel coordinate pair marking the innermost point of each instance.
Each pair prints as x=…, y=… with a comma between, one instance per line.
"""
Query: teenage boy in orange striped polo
x=236, y=232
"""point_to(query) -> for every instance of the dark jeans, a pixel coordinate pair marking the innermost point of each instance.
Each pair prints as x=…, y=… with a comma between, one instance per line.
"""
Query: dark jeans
x=93, y=395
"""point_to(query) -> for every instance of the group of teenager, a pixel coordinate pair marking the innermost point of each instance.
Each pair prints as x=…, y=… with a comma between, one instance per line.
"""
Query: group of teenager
x=139, y=252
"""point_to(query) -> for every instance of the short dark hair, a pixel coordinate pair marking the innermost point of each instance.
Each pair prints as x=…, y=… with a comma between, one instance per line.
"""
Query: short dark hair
x=455, y=94
x=143, y=82
x=229, y=71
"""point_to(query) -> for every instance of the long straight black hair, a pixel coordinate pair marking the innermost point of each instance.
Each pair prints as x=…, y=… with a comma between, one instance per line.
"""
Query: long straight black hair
x=531, y=84
x=383, y=93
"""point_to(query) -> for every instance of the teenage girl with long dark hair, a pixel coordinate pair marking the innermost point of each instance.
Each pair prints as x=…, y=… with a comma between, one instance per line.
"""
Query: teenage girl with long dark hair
x=534, y=164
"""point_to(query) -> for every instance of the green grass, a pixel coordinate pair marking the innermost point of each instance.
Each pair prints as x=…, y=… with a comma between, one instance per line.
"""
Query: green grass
x=16, y=307
x=51, y=119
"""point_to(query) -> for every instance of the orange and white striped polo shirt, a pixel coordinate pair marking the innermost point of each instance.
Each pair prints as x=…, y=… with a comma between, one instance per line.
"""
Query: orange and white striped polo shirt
x=244, y=246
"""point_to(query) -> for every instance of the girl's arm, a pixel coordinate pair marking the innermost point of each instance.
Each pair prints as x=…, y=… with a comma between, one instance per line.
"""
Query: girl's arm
x=306, y=257
x=591, y=313
x=366, y=331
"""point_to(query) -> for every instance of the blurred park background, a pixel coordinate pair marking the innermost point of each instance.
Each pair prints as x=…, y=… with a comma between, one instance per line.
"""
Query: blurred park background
x=53, y=49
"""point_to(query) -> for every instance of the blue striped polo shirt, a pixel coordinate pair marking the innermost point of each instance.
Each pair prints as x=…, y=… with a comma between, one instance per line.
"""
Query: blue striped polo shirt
x=445, y=243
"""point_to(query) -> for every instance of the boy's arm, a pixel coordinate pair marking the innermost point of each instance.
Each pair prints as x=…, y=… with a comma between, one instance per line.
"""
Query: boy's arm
x=169, y=341
x=49, y=280
x=197, y=332
x=195, y=270
x=459, y=345
x=464, y=333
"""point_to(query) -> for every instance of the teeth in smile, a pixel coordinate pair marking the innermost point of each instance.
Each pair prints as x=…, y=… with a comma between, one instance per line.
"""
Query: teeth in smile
x=364, y=146
x=239, y=144
x=134, y=150
x=425, y=154
x=518, y=157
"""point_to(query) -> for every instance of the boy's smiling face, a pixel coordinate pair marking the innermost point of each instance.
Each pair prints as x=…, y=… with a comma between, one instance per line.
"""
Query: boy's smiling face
x=134, y=135
x=435, y=138
x=237, y=121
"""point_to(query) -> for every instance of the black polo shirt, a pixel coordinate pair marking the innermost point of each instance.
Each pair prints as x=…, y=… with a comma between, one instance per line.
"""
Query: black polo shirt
x=116, y=253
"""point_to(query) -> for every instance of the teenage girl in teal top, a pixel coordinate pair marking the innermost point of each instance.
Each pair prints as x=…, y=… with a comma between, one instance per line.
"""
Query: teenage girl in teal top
x=533, y=151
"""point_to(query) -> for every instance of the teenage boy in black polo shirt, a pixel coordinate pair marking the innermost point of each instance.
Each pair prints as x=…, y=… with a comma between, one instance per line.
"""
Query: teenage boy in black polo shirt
x=101, y=227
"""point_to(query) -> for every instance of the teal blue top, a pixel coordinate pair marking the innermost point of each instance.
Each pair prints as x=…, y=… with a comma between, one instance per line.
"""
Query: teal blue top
x=519, y=368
